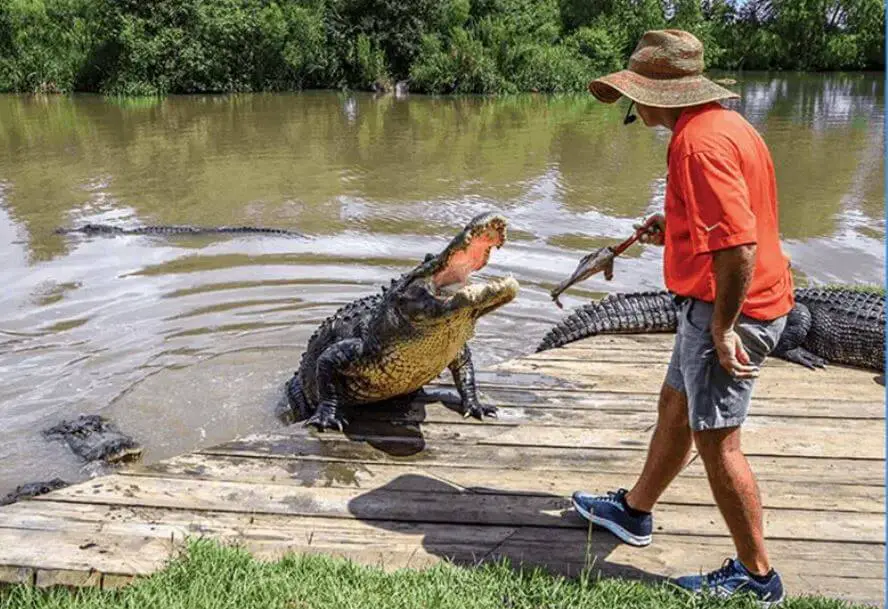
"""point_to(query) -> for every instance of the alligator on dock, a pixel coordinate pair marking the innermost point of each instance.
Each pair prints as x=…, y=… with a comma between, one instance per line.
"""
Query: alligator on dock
x=390, y=344
x=110, y=229
x=94, y=438
x=833, y=324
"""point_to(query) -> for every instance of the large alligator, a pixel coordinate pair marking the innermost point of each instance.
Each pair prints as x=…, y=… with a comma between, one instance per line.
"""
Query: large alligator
x=390, y=344
x=111, y=229
x=832, y=324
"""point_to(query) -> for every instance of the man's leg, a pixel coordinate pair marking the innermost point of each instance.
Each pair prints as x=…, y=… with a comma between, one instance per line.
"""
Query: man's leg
x=626, y=514
x=668, y=453
x=736, y=494
x=718, y=405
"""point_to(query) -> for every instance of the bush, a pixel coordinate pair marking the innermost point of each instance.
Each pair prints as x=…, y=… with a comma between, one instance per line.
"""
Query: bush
x=134, y=47
x=47, y=45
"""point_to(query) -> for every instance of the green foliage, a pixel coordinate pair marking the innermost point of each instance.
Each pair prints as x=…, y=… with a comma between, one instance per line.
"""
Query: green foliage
x=46, y=45
x=132, y=47
x=210, y=575
x=179, y=46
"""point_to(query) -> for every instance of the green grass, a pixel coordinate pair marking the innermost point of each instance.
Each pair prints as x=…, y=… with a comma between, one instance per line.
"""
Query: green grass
x=870, y=288
x=213, y=576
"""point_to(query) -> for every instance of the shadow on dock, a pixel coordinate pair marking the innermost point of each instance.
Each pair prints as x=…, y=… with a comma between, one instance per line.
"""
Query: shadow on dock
x=393, y=426
x=476, y=525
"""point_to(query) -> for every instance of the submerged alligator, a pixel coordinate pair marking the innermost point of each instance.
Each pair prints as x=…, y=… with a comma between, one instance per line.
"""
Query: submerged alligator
x=94, y=438
x=832, y=324
x=110, y=229
x=33, y=489
x=390, y=344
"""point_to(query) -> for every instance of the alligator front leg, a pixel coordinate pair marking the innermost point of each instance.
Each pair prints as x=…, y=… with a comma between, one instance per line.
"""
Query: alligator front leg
x=464, y=378
x=331, y=383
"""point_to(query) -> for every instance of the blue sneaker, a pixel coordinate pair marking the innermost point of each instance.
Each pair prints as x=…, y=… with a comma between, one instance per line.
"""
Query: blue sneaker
x=733, y=578
x=610, y=512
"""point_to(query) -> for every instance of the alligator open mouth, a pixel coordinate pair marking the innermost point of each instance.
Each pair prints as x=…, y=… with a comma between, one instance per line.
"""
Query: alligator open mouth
x=462, y=259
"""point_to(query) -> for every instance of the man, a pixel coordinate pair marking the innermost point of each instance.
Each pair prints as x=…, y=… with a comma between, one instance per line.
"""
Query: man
x=723, y=260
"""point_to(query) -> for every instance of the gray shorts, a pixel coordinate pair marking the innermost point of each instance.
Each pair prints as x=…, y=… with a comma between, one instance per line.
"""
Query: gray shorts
x=715, y=398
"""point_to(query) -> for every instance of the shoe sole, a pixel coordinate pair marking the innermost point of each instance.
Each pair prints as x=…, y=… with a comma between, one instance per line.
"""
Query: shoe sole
x=725, y=595
x=613, y=527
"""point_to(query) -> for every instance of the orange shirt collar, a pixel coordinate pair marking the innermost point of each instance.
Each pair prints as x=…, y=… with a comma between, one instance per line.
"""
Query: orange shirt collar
x=687, y=115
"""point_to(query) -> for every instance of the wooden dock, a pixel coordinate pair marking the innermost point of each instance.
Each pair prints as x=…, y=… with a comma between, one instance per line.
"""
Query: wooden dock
x=413, y=487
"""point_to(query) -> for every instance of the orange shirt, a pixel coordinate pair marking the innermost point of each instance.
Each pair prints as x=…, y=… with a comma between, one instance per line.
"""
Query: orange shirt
x=722, y=192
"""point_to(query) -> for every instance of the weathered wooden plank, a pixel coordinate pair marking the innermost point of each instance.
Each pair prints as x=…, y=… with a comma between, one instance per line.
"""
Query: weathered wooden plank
x=654, y=341
x=54, y=551
x=798, y=437
x=558, y=548
x=647, y=402
x=427, y=506
x=684, y=489
x=777, y=378
x=672, y=555
x=615, y=414
x=89, y=524
x=47, y=578
x=757, y=439
x=336, y=448
x=437, y=413
x=16, y=575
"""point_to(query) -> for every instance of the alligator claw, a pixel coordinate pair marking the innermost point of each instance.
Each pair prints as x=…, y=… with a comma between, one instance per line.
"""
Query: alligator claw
x=479, y=411
x=805, y=358
x=326, y=419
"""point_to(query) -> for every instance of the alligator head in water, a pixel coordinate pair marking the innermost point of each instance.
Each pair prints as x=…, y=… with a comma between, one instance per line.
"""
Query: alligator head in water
x=391, y=344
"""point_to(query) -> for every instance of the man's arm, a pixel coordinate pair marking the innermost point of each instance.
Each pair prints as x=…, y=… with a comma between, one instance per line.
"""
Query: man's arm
x=733, y=269
x=733, y=272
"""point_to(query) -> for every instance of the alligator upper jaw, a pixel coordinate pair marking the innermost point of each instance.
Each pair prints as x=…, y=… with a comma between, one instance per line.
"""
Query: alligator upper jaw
x=469, y=252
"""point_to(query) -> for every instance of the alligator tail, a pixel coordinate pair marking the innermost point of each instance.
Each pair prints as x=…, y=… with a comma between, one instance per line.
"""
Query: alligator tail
x=615, y=314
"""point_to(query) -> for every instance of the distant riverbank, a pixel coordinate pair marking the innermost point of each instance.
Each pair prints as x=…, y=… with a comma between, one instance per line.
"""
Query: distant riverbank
x=133, y=48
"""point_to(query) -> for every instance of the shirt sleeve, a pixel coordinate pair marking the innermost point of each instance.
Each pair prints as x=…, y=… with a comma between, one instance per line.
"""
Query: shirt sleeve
x=716, y=201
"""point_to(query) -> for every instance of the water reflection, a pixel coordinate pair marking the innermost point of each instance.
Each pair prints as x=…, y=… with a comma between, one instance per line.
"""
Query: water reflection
x=376, y=183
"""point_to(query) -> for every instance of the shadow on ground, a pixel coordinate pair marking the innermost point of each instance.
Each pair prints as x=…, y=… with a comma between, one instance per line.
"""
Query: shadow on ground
x=471, y=526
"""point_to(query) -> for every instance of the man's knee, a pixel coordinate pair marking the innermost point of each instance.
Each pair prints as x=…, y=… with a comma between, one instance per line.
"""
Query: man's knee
x=714, y=444
x=672, y=407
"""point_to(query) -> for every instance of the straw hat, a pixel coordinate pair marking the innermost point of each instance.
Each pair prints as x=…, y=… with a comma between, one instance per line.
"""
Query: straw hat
x=665, y=71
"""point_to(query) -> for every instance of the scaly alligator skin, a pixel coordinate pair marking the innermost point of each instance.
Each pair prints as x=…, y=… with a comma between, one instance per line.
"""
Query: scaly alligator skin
x=391, y=344
x=94, y=438
x=33, y=489
x=109, y=229
x=826, y=325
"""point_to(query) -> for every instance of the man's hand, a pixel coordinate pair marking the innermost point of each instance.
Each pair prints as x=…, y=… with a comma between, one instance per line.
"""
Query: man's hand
x=731, y=354
x=656, y=231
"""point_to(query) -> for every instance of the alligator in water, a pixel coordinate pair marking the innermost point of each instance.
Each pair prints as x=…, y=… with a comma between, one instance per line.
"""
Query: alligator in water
x=94, y=438
x=33, y=489
x=833, y=324
x=390, y=344
x=110, y=229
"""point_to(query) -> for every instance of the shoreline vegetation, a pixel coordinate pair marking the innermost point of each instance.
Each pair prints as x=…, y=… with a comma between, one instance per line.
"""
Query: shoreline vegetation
x=134, y=48
x=209, y=574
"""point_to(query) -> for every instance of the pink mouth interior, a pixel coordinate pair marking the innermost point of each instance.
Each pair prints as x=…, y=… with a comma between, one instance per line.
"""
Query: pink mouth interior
x=469, y=260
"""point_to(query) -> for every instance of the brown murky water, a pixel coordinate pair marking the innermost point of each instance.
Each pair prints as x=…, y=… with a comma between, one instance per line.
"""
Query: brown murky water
x=185, y=341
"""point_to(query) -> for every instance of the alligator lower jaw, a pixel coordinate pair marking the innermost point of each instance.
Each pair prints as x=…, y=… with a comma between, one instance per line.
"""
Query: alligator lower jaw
x=483, y=298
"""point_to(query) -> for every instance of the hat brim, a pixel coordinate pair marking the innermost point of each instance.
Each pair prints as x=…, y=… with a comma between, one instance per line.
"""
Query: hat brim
x=658, y=92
